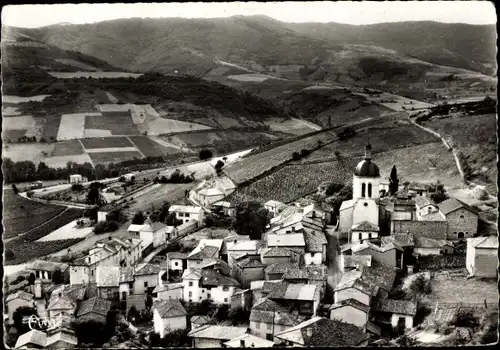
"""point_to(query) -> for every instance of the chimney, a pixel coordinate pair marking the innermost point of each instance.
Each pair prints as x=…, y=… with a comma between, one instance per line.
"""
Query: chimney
x=368, y=151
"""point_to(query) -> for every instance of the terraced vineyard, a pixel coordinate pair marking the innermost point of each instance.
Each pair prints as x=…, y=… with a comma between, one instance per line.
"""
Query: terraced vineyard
x=255, y=165
x=24, y=252
x=294, y=181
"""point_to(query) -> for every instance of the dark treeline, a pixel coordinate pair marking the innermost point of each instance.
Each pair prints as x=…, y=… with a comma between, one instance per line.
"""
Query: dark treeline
x=28, y=171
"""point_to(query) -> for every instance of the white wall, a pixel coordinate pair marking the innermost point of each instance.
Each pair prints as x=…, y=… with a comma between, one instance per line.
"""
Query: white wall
x=351, y=315
x=194, y=289
x=368, y=212
x=345, y=223
x=427, y=251
x=79, y=275
x=173, y=265
x=408, y=320
x=101, y=216
x=139, y=288
x=313, y=258
x=364, y=235
x=357, y=187
x=14, y=304
x=351, y=293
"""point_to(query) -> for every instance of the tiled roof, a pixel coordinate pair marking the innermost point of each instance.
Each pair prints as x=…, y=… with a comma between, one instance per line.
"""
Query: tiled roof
x=20, y=295
x=223, y=204
x=323, y=332
x=249, y=262
x=269, y=311
x=75, y=292
x=170, y=308
x=269, y=305
x=185, y=209
x=217, y=332
x=279, y=267
x=147, y=269
x=166, y=287
x=315, y=241
x=278, y=251
x=288, y=240
x=213, y=278
x=452, y=204
x=357, y=260
x=359, y=246
x=380, y=274
x=312, y=273
x=352, y=279
x=126, y=274
x=400, y=239
x=207, y=248
x=108, y=276
x=216, y=264
x=94, y=305
x=292, y=291
x=402, y=307
x=61, y=337
x=192, y=274
x=44, y=265
x=485, y=242
x=249, y=341
x=153, y=226
x=424, y=242
x=351, y=302
x=245, y=246
x=200, y=319
x=61, y=303
x=272, y=203
x=135, y=228
x=422, y=201
x=365, y=226
x=33, y=337
x=177, y=255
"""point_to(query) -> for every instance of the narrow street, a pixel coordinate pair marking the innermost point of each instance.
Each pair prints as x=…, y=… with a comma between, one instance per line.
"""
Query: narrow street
x=334, y=273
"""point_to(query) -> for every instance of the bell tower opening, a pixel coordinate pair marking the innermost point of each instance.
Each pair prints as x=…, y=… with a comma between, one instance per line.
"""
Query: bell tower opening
x=369, y=190
x=363, y=189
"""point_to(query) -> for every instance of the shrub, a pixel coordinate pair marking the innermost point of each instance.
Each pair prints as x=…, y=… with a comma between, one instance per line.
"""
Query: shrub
x=105, y=226
x=295, y=156
x=465, y=318
x=9, y=254
x=205, y=154
x=77, y=187
x=30, y=193
x=420, y=285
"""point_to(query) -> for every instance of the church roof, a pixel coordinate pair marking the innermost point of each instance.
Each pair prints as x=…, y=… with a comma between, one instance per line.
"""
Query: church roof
x=367, y=168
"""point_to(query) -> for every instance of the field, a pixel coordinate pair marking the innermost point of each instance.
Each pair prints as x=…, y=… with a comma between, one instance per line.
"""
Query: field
x=21, y=214
x=383, y=137
x=71, y=126
x=295, y=181
x=69, y=231
x=253, y=78
x=18, y=99
x=10, y=111
x=12, y=135
x=93, y=75
x=61, y=161
x=154, y=199
x=34, y=152
x=25, y=252
x=48, y=127
x=158, y=126
x=293, y=126
x=117, y=124
x=400, y=102
x=107, y=142
x=17, y=123
x=470, y=291
x=150, y=147
x=77, y=64
x=67, y=148
x=255, y=165
x=113, y=157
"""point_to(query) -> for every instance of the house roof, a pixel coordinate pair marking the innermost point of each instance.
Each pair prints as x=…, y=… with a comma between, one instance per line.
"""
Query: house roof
x=108, y=276
x=347, y=204
x=75, y=292
x=249, y=262
x=185, y=209
x=323, y=332
x=249, y=341
x=452, y=204
x=217, y=332
x=490, y=242
x=20, y=295
x=279, y=267
x=357, y=260
x=126, y=274
x=269, y=311
x=288, y=240
x=402, y=307
x=209, y=192
x=380, y=275
x=169, y=308
x=365, y=226
x=206, y=247
x=223, y=204
x=61, y=303
x=312, y=273
x=245, y=246
x=315, y=241
x=264, y=286
x=424, y=242
x=167, y=287
x=135, y=228
x=177, y=255
x=351, y=302
x=399, y=239
x=214, y=278
x=94, y=305
x=200, y=319
x=153, y=226
x=147, y=269
x=352, y=279
x=272, y=203
x=292, y=291
x=34, y=337
x=278, y=251
x=422, y=201
x=61, y=337
x=191, y=274
x=44, y=265
x=360, y=246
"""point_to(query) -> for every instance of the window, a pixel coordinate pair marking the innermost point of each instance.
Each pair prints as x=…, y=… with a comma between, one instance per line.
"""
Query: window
x=257, y=325
x=169, y=297
x=190, y=294
x=370, y=235
x=363, y=189
x=145, y=284
x=109, y=294
x=360, y=236
x=369, y=190
x=187, y=215
x=92, y=272
x=461, y=216
x=365, y=204
x=209, y=288
x=190, y=284
x=176, y=264
x=181, y=215
x=200, y=298
x=225, y=300
x=225, y=288
x=269, y=337
x=131, y=285
x=209, y=296
x=203, y=290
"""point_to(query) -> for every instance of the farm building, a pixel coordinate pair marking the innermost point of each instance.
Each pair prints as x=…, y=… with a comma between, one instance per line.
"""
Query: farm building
x=395, y=312
x=153, y=232
x=187, y=213
x=274, y=207
x=16, y=300
x=77, y=179
x=462, y=219
x=429, y=246
x=44, y=270
x=168, y=316
x=212, y=336
x=212, y=190
x=482, y=256
x=225, y=207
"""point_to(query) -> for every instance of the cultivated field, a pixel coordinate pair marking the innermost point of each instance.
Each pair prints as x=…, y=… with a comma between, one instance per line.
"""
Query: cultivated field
x=113, y=157
x=106, y=142
x=12, y=135
x=19, y=99
x=253, y=78
x=10, y=111
x=293, y=126
x=158, y=126
x=93, y=75
x=116, y=124
x=67, y=148
x=294, y=181
x=154, y=199
x=77, y=64
x=61, y=161
x=25, y=252
x=150, y=147
x=17, y=123
x=470, y=291
x=34, y=152
x=72, y=126
x=398, y=103
x=21, y=214
x=255, y=165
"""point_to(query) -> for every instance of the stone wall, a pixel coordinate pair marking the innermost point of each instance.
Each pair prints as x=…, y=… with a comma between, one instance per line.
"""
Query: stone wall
x=428, y=229
x=456, y=223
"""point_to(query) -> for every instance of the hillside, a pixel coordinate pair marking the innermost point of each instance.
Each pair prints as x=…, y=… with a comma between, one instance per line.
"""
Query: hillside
x=259, y=43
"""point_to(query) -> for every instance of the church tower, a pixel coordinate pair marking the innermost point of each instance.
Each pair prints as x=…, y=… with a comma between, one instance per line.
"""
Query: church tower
x=366, y=179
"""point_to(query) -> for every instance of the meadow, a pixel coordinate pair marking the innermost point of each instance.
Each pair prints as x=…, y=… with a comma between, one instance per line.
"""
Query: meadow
x=19, y=99
x=117, y=124
x=106, y=142
x=150, y=147
x=25, y=252
x=67, y=148
x=113, y=157
x=93, y=75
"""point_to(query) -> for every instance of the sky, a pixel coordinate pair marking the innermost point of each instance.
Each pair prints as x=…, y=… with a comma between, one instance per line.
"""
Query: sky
x=366, y=12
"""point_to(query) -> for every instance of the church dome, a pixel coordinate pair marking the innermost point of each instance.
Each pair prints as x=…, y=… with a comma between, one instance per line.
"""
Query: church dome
x=366, y=168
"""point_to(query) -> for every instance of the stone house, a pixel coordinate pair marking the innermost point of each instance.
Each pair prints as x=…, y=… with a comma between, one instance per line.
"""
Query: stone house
x=108, y=282
x=394, y=312
x=315, y=249
x=198, y=321
x=168, y=316
x=247, y=269
x=313, y=274
x=351, y=286
x=302, y=297
x=261, y=289
x=33, y=339
x=294, y=241
x=482, y=256
x=208, y=284
x=44, y=270
x=153, y=233
x=274, y=207
x=461, y=218
x=146, y=278
x=227, y=208
x=177, y=262
x=350, y=311
x=93, y=309
x=241, y=299
x=205, y=250
x=169, y=291
x=389, y=254
x=188, y=212
x=213, y=336
x=429, y=246
x=280, y=255
x=17, y=300
x=242, y=248
x=248, y=341
x=126, y=285
x=363, y=231
x=276, y=271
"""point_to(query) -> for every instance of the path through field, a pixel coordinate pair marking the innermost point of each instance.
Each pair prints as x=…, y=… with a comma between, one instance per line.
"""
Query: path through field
x=68, y=231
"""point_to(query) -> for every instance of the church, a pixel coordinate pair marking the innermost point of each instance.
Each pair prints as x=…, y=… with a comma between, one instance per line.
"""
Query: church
x=360, y=216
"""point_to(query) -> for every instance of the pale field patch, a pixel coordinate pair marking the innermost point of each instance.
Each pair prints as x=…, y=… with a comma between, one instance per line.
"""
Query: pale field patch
x=290, y=126
x=111, y=149
x=318, y=87
x=36, y=128
x=77, y=64
x=22, y=122
x=164, y=126
x=10, y=111
x=93, y=75
x=68, y=231
x=61, y=161
x=73, y=126
x=253, y=78
x=19, y=99
x=112, y=98
x=33, y=152
x=96, y=133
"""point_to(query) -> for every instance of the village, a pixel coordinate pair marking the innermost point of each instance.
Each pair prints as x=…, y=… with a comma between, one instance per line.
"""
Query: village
x=207, y=271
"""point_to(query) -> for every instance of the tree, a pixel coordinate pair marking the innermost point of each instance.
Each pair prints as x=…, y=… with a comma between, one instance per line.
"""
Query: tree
x=251, y=219
x=393, y=181
x=14, y=188
x=295, y=155
x=337, y=154
x=9, y=254
x=172, y=220
x=164, y=212
x=238, y=315
x=105, y=226
x=132, y=314
x=19, y=314
x=205, y=154
x=219, y=164
x=57, y=276
x=90, y=332
x=466, y=318
x=149, y=301
x=138, y=218
x=31, y=279
x=93, y=197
